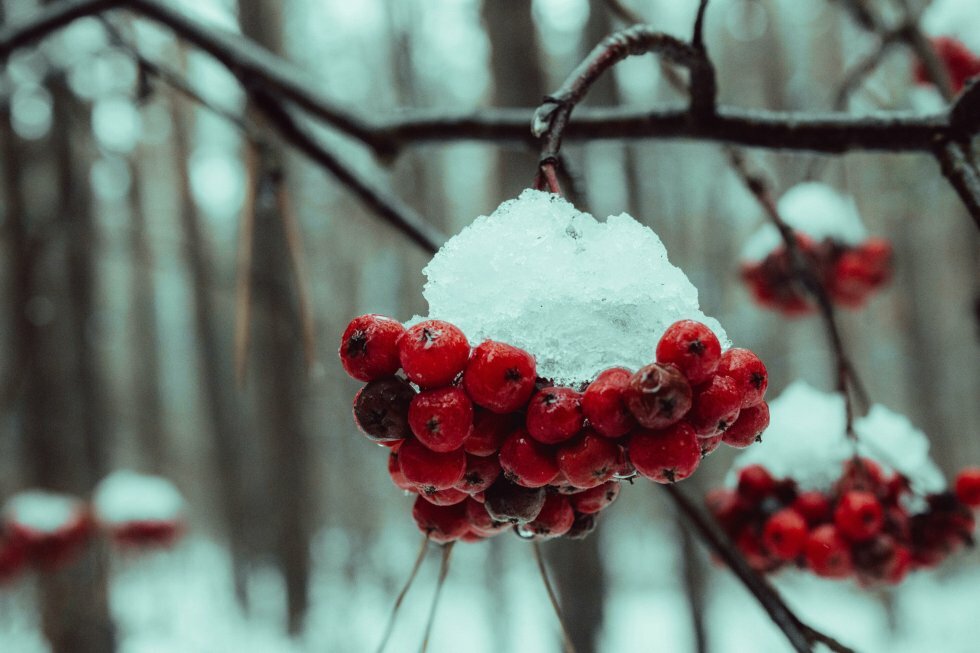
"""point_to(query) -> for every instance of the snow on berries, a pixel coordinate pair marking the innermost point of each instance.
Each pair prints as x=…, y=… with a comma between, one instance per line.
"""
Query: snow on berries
x=139, y=511
x=831, y=237
x=815, y=501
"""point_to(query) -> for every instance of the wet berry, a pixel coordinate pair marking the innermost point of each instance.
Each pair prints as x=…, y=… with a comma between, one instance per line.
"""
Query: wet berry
x=595, y=499
x=604, y=403
x=369, y=347
x=499, y=377
x=748, y=372
x=692, y=348
x=658, y=396
x=554, y=520
x=715, y=405
x=554, y=415
x=430, y=470
x=526, y=461
x=748, y=427
x=433, y=353
x=440, y=523
x=665, y=456
x=588, y=460
x=442, y=418
x=480, y=474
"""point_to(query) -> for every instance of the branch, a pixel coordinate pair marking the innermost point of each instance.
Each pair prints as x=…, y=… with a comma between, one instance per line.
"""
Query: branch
x=801, y=636
x=962, y=175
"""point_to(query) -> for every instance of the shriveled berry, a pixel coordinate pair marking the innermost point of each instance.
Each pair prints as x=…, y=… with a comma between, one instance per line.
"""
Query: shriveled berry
x=369, y=347
x=499, y=377
x=554, y=520
x=749, y=373
x=715, y=405
x=967, y=487
x=859, y=515
x=554, y=415
x=526, y=461
x=658, y=396
x=604, y=403
x=827, y=553
x=381, y=409
x=692, y=348
x=582, y=527
x=489, y=432
x=785, y=534
x=480, y=474
x=595, y=499
x=509, y=502
x=431, y=470
x=665, y=456
x=755, y=483
x=433, y=352
x=442, y=418
x=397, y=477
x=481, y=521
x=814, y=506
x=448, y=497
x=749, y=426
x=440, y=523
x=588, y=460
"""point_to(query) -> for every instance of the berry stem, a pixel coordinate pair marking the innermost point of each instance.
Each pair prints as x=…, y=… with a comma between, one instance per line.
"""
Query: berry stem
x=401, y=595
x=447, y=551
x=565, y=637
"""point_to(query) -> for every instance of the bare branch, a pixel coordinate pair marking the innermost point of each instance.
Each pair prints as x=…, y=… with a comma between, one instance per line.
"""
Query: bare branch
x=962, y=174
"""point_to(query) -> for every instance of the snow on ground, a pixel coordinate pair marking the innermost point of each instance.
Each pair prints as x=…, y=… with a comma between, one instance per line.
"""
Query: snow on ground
x=126, y=496
x=580, y=294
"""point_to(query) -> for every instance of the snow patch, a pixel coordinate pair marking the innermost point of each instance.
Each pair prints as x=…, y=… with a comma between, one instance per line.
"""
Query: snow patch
x=579, y=294
x=126, y=496
x=43, y=511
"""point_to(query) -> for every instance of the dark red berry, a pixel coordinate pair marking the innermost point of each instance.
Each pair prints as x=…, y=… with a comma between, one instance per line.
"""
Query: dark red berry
x=755, y=483
x=588, y=461
x=715, y=406
x=489, y=432
x=658, y=396
x=431, y=470
x=440, y=523
x=447, y=497
x=828, y=554
x=967, y=487
x=604, y=403
x=526, y=461
x=442, y=418
x=582, y=527
x=749, y=543
x=859, y=515
x=369, y=347
x=749, y=426
x=595, y=499
x=397, y=477
x=554, y=520
x=554, y=415
x=749, y=373
x=960, y=62
x=480, y=520
x=508, y=502
x=381, y=409
x=665, y=456
x=499, y=377
x=785, y=534
x=814, y=506
x=692, y=348
x=433, y=352
x=480, y=474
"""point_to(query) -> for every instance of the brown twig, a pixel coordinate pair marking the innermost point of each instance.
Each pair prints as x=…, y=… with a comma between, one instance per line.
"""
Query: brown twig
x=962, y=173
x=566, y=639
x=390, y=626
x=243, y=264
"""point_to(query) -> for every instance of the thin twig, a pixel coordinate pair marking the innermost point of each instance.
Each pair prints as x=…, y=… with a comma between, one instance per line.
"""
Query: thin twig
x=390, y=626
x=243, y=264
x=447, y=550
x=962, y=173
x=553, y=597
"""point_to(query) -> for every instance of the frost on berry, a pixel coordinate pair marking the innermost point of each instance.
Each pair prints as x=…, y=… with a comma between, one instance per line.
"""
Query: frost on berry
x=369, y=347
x=692, y=348
x=381, y=409
x=433, y=353
x=554, y=415
x=658, y=395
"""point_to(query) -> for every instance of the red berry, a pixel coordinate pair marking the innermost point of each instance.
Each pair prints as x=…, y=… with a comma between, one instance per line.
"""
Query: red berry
x=480, y=520
x=480, y=474
x=859, y=515
x=526, y=461
x=814, y=506
x=554, y=520
x=709, y=444
x=554, y=415
x=960, y=62
x=730, y=509
x=441, y=419
x=433, y=352
x=828, y=554
x=13, y=559
x=397, y=477
x=595, y=499
x=861, y=474
x=431, y=470
x=381, y=409
x=715, y=406
x=440, y=523
x=785, y=534
x=604, y=403
x=588, y=461
x=665, y=456
x=489, y=432
x=749, y=373
x=692, y=348
x=448, y=497
x=658, y=396
x=369, y=347
x=749, y=426
x=499, y=377
x=581, y=527
x=508, y=502
x=967, y=487
x=749, y=543
x=755, y=483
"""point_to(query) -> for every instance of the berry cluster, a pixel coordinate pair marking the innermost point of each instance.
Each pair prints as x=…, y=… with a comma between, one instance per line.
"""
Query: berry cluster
x=862, y=527
x=488, y=446
x=848, y=273
x=960, y=62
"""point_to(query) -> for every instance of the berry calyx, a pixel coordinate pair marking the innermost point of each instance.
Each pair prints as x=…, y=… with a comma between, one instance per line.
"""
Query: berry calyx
x=785, y=534
x=554, y=415
x=715, y=405
x=749, y=373
x=480, y=474
x=369, y=347
x=526, y=461
x=508, y=502
x=665, y=456
x=448, y=497
x=859, y=515
x=692, y=348
x=430, y=470
x=442, y=418
x=432, y=353
x=499, y=377
x=748, y=427
x=381, y=409
x=588, y=461
x=658, y=396
x=604, y=403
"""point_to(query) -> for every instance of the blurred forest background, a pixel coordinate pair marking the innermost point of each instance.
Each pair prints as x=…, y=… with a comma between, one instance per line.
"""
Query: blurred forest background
x=123, y=205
